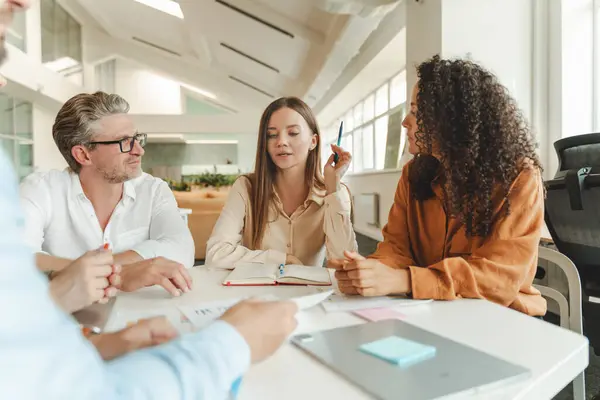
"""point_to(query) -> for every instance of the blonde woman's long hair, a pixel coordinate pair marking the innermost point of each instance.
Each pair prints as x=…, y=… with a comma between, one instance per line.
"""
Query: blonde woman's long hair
x=263, y=178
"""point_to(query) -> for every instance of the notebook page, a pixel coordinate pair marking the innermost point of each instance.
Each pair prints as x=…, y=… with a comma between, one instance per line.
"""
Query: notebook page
x=314, y=274
x=252, y=271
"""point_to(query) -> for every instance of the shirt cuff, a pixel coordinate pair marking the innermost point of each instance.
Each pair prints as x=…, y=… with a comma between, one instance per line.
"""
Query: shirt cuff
x=276, y=257
x=146, y=249
x=424, y=283
x=339, y=202
x=236, y=352
x=152, y=248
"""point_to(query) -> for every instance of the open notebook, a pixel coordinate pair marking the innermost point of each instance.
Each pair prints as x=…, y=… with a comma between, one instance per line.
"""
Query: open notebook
x=271, y=274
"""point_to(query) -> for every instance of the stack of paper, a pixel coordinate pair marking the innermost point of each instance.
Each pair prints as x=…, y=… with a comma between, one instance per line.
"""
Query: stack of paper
x=203, y=314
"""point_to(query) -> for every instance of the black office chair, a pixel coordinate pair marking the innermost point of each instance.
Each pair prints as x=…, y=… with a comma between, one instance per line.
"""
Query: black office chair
x=572, y=214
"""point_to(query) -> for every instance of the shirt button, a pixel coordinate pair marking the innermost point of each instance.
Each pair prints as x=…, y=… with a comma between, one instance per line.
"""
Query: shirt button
x=289, y=245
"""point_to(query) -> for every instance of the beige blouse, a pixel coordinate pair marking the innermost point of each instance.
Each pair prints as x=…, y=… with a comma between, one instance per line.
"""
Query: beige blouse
x=321, y=225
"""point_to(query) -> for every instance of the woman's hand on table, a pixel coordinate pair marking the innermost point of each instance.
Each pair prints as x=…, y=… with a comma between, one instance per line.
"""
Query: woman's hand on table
x=369, y=277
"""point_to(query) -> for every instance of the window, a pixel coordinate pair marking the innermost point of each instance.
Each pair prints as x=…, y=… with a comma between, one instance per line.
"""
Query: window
x=381, y=129
x=367, y=147
x=349, y=121
x=367, y=124
x=16, y=133
x=349, y=145
x=61, y=40
x=357, y=153
x=381, y=100
x=324, y=154
x=358, y=114
x=369, y=108
x=398, y=90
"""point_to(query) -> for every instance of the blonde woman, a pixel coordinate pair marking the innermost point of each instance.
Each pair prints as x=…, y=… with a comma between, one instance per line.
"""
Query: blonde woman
x=287, y=211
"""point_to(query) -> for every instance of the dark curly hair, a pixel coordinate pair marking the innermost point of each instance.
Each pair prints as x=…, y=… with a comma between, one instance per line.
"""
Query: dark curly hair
x=480, y=137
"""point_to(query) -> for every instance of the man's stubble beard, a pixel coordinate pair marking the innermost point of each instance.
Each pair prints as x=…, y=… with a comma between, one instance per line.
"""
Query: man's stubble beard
x=113, y=176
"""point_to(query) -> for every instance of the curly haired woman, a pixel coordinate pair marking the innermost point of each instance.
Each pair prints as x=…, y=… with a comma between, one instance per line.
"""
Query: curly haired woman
x=468, y=211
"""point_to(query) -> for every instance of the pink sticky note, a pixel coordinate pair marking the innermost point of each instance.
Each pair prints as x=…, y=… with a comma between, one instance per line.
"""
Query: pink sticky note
x=378, y=314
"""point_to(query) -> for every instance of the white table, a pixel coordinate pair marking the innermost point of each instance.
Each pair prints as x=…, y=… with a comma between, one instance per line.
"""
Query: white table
x=554, y=355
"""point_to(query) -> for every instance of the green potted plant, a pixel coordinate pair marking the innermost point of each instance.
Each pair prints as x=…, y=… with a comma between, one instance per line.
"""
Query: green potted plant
x=181, y=186
x=213, y=180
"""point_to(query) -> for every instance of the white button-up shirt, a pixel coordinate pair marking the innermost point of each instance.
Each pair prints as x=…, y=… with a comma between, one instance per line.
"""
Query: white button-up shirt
x=61, y=221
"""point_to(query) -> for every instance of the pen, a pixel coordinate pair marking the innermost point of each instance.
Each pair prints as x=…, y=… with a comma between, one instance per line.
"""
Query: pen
x=339, y=141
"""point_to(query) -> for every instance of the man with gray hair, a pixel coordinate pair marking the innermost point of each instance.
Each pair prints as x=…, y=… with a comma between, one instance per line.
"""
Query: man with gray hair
x=104, y=200
x=45, y=356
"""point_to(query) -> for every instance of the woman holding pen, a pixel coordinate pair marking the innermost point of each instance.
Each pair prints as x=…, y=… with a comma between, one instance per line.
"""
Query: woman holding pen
x=287, y=211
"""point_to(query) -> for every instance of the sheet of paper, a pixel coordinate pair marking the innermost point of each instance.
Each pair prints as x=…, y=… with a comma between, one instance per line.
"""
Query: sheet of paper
x=340, y=302
x=202, y=314
x=124, y=318
x=311, y=300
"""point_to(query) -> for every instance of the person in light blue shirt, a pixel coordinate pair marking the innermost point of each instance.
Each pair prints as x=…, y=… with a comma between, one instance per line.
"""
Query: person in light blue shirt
x=44, y=355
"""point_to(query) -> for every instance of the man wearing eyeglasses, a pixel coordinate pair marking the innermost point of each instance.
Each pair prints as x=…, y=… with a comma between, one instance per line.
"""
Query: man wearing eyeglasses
x=104, y=200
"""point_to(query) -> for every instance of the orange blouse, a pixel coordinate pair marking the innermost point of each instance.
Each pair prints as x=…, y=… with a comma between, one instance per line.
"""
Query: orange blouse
x=445, y=264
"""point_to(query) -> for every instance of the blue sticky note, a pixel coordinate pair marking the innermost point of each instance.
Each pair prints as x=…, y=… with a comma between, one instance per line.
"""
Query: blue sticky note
x=399, y=351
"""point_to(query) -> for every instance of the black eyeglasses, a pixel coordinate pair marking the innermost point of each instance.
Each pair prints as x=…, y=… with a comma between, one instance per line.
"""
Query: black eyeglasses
x=126, y=144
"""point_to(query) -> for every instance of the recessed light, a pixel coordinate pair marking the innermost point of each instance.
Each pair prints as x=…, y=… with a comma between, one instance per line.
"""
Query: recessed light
x=166, y=6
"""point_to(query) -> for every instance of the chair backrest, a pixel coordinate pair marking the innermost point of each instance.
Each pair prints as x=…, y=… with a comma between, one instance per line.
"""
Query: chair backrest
x=573, y=203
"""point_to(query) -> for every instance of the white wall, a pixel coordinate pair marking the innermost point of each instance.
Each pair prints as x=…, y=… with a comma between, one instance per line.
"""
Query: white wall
x=147, y=92
x=577, y=67
x=45, y=153
x=33, y=24
x=476, y=29
x=246, y=151
x=479, y=29
x=246, y=148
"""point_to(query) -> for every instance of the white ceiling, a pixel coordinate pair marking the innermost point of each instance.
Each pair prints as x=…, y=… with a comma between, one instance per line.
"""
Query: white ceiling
x=247, y=52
